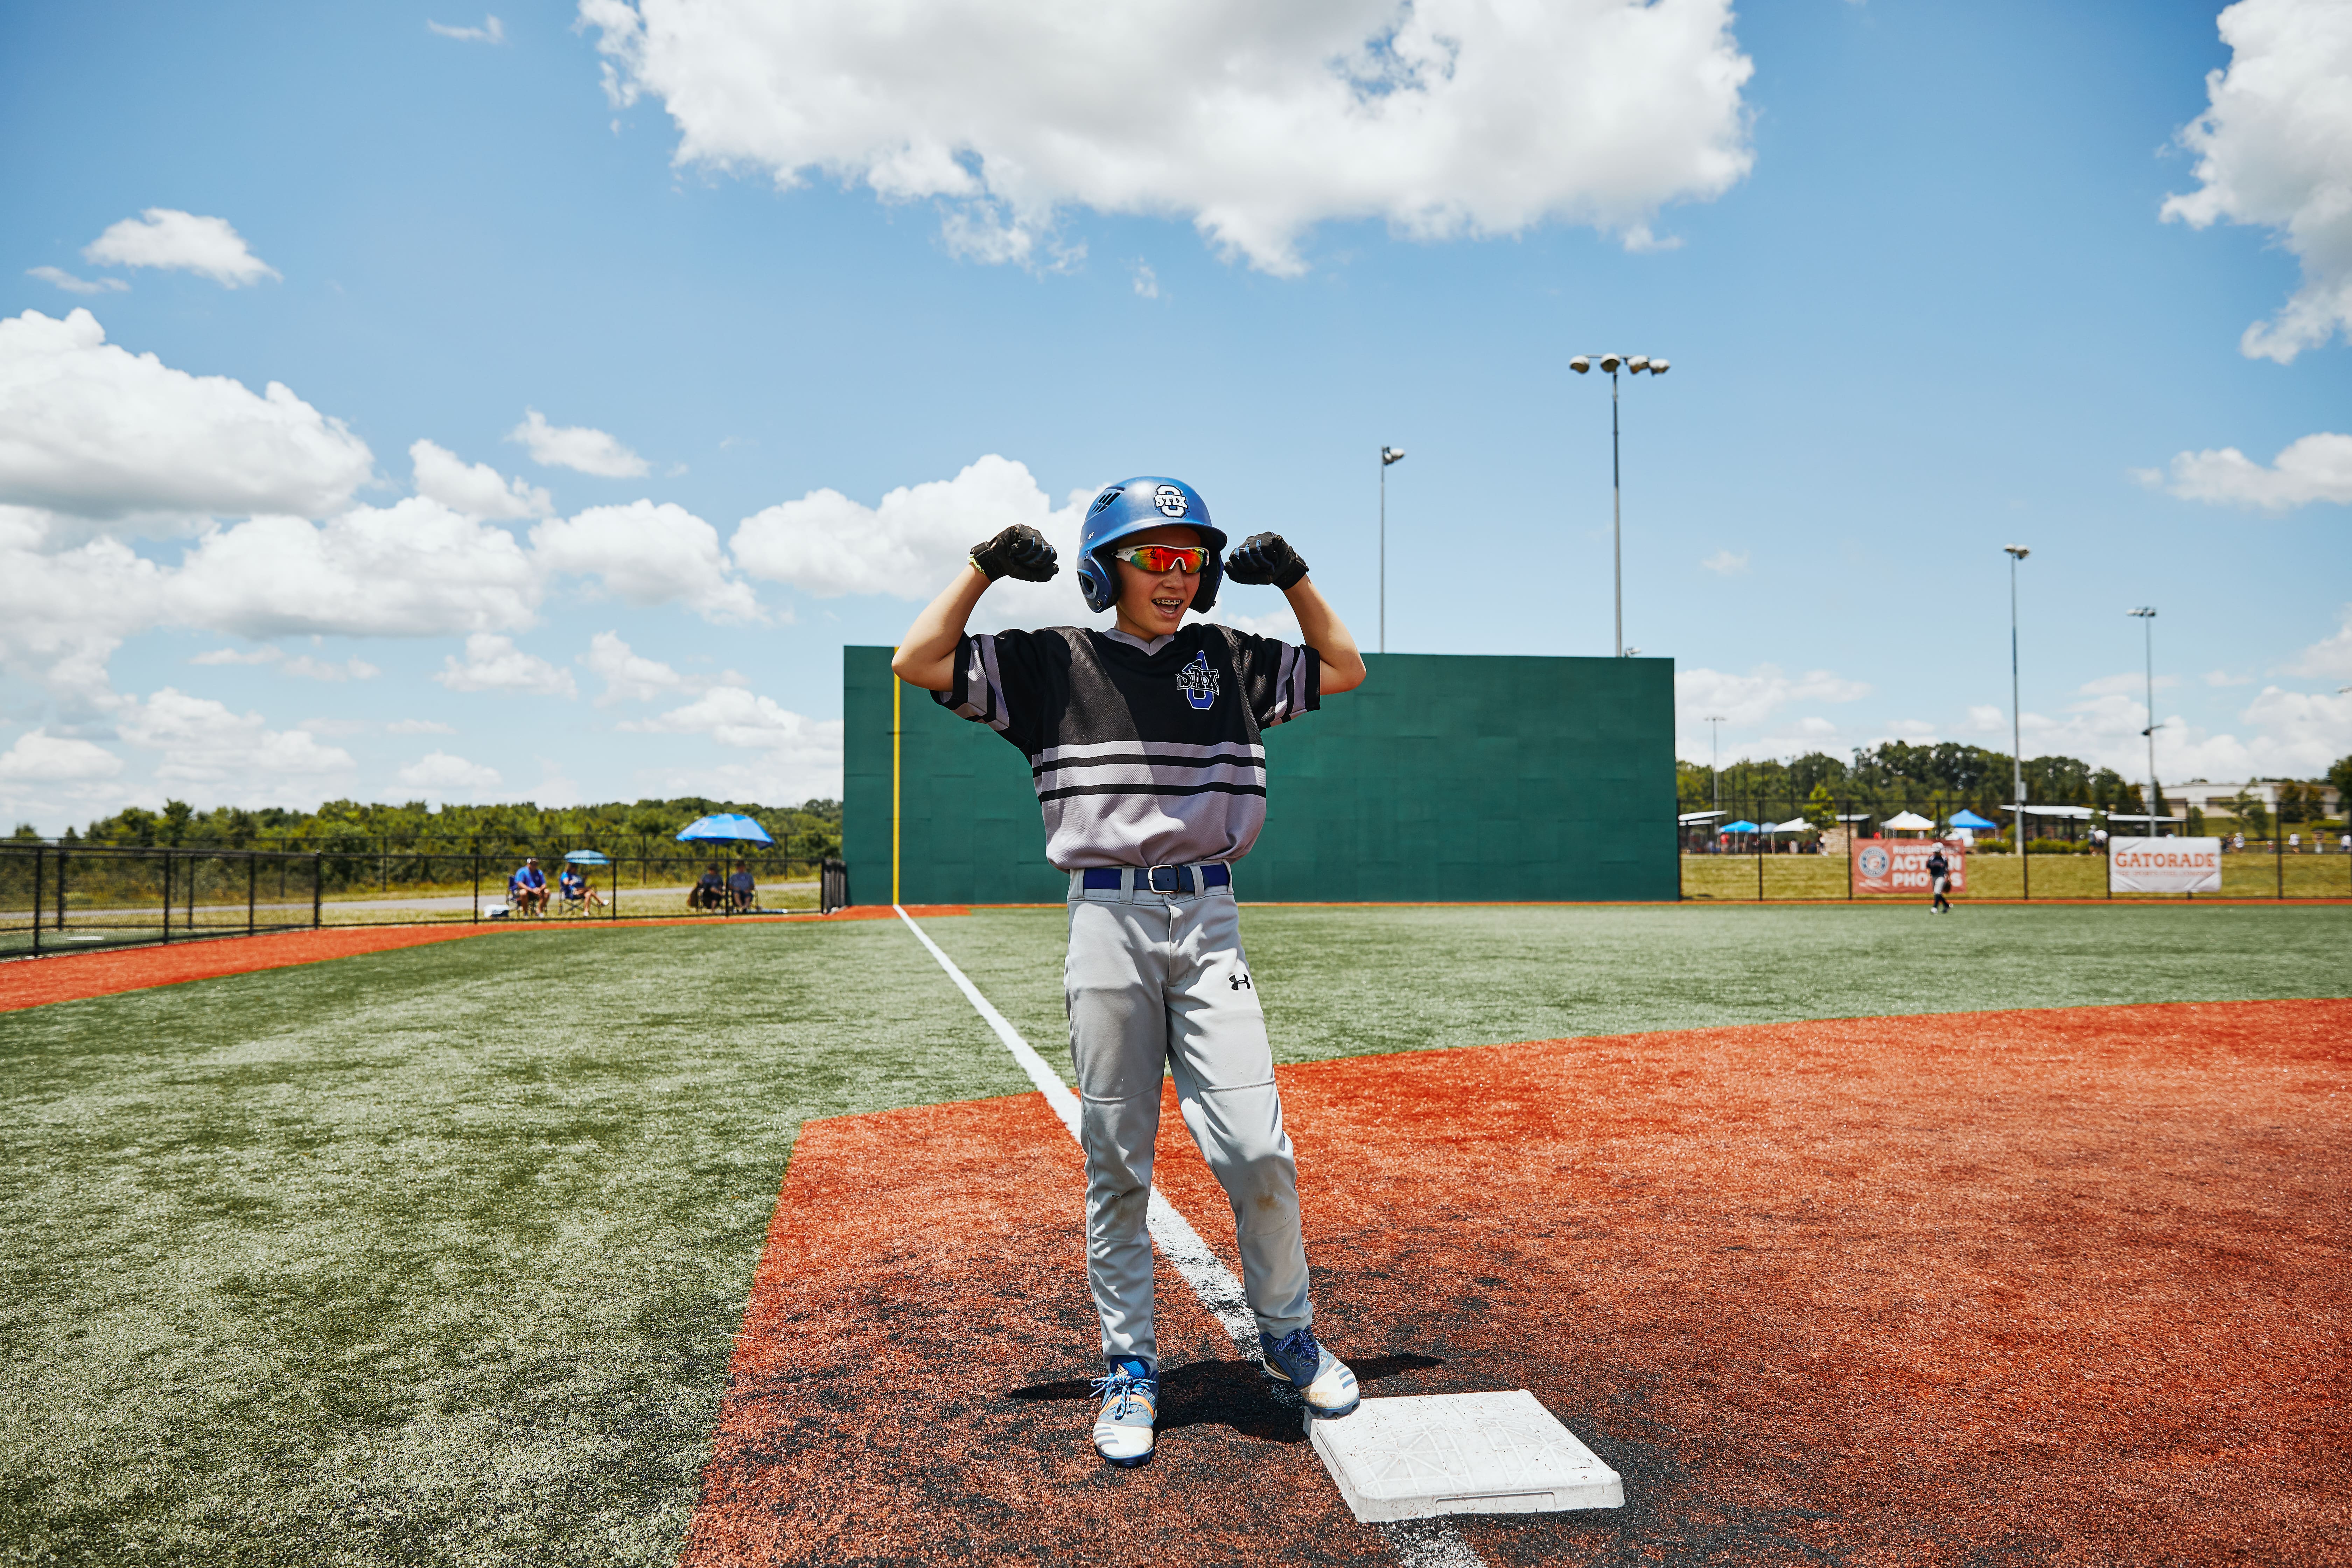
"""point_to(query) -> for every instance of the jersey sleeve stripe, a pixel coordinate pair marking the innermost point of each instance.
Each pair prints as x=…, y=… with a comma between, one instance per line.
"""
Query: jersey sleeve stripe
x=979, y=691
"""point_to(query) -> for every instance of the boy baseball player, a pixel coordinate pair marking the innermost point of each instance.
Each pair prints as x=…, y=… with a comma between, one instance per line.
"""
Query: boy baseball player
x=1939, y=880
x=1145, y=743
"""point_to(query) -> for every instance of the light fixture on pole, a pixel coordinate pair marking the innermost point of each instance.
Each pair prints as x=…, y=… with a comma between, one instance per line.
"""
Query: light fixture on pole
x=2017, y=553
x=1634, y=366
x=2147, y=618
x=1388, y=455
x=1714, y=752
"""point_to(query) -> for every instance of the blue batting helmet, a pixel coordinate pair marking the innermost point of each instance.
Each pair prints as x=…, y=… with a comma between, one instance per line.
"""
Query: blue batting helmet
x=1130, y=507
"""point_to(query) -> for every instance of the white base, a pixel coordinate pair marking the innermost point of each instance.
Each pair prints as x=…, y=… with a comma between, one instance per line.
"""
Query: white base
x=1427, y=1455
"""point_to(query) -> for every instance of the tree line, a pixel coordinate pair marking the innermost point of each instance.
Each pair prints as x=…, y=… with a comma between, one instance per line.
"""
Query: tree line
x=808, y=832
x=1950, y=776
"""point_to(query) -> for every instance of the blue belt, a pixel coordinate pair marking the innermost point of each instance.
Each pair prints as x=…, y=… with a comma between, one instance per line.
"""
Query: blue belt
x=1158, y=878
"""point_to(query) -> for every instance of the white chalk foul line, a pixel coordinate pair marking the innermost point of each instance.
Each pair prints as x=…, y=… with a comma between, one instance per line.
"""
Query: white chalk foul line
x=1420, y=1544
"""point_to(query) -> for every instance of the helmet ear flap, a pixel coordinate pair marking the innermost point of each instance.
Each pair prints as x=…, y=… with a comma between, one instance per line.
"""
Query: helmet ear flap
x=1096, y=584
x=1213, y=576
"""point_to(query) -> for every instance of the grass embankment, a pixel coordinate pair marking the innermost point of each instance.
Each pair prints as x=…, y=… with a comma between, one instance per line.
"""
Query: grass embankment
x=434, y=1257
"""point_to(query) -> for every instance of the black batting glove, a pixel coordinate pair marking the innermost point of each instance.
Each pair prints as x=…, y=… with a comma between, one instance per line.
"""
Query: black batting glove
x=1265, y=558
x=1020, y=552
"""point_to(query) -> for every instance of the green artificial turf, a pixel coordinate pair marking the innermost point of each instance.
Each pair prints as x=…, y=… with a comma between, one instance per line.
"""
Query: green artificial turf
x=434, y=1257
x=429, y=1256
x=1341, y=982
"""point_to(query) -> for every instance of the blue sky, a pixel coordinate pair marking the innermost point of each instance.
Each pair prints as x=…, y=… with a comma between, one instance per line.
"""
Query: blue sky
x=1910, y=262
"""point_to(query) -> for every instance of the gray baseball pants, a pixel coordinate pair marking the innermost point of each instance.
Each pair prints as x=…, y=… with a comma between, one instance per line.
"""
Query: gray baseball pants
x=1157, y=984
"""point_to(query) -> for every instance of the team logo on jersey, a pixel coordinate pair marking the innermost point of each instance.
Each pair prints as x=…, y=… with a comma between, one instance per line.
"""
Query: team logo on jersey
x=1198, y=682
x=1169, y=499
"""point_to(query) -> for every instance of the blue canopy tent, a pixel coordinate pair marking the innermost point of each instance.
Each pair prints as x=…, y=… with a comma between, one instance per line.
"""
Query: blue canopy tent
x=1742, y=826
x=724, y=827
x=1971, y=821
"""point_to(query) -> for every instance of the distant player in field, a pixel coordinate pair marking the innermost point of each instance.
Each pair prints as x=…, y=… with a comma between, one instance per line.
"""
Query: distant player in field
x=1145, y=743
x=1939, y=881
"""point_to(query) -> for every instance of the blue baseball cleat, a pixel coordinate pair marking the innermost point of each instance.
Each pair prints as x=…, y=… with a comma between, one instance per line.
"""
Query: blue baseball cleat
x=1130, y=1404
x=1322, y=1379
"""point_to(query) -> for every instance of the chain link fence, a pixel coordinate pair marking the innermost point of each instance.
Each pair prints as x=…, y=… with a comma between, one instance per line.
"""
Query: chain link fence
x=1758, y=849
x=59, y=898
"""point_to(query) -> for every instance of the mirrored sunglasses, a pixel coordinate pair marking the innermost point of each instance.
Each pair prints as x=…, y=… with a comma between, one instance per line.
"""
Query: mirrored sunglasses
x=1162, y=559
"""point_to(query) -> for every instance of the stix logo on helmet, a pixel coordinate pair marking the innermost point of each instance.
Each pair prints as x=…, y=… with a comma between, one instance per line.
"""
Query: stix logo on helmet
x=1132, y=507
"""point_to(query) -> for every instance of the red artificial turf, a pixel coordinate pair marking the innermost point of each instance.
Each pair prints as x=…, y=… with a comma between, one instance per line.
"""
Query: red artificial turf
x=73, y=976
x=2055, y=1287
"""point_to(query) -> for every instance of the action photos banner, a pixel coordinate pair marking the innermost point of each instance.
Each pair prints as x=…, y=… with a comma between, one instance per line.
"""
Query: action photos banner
x=1900, y=865
x=2164, y=864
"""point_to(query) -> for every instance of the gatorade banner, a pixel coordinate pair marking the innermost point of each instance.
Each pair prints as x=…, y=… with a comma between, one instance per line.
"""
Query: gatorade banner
x=2164, y=864
x=1900, y=865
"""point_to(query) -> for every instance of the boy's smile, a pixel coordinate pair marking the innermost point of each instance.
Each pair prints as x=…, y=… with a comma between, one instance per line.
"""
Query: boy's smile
x=1152, y=606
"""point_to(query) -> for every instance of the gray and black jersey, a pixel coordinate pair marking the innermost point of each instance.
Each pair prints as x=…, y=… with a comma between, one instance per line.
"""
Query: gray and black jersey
x=1144, y=754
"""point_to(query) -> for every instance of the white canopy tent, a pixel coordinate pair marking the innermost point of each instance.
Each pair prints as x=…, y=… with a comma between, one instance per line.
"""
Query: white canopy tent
x=1908, y=822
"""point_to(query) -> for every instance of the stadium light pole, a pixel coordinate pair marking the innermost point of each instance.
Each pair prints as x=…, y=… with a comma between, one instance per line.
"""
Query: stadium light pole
x=2017, y=553
x=1388, y=455
x=1714, y=757
x=2147, y=618
x=1632, y=365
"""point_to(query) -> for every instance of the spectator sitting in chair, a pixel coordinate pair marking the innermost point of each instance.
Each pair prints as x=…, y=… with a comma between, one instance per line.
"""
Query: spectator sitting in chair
x=707, y=892
x=742, y=893
x=573, y=882
x=527, y=889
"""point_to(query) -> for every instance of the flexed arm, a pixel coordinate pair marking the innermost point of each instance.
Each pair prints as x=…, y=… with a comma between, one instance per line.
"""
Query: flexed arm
x=927, y=654
x=1269, y=558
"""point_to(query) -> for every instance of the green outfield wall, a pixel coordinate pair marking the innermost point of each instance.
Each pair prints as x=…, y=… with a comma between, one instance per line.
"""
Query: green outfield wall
x=1444, y=778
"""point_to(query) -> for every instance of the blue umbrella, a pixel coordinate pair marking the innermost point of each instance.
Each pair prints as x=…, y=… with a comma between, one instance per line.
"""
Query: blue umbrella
x=725, y=827
x=586, y=857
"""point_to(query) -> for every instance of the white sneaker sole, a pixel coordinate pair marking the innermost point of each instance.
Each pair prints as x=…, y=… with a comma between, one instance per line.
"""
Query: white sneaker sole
x=1330, y=1395
x=1125, y=1446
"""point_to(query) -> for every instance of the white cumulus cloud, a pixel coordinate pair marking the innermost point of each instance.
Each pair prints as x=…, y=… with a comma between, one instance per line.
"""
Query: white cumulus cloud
x=90, y=429
x=301, y=665
x=578, y=447
x=797, y=757
x=1443, y=117
x=1725, y=562
x=167, y=237
x=911, y=543
x=647, y=554
x=2275, y=149
x=443, y=774
x=235, y=757
x=2315, y=468
x=73, y=285
x=412, y=569
x=476, y=490
x=493, y=663
x=39, y=757
x=1751, y=699
x=492, y=31
x=2329, y=658
x=630, y=677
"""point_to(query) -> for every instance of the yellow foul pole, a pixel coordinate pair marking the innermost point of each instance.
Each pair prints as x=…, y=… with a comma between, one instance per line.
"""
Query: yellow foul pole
x=897, y=689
